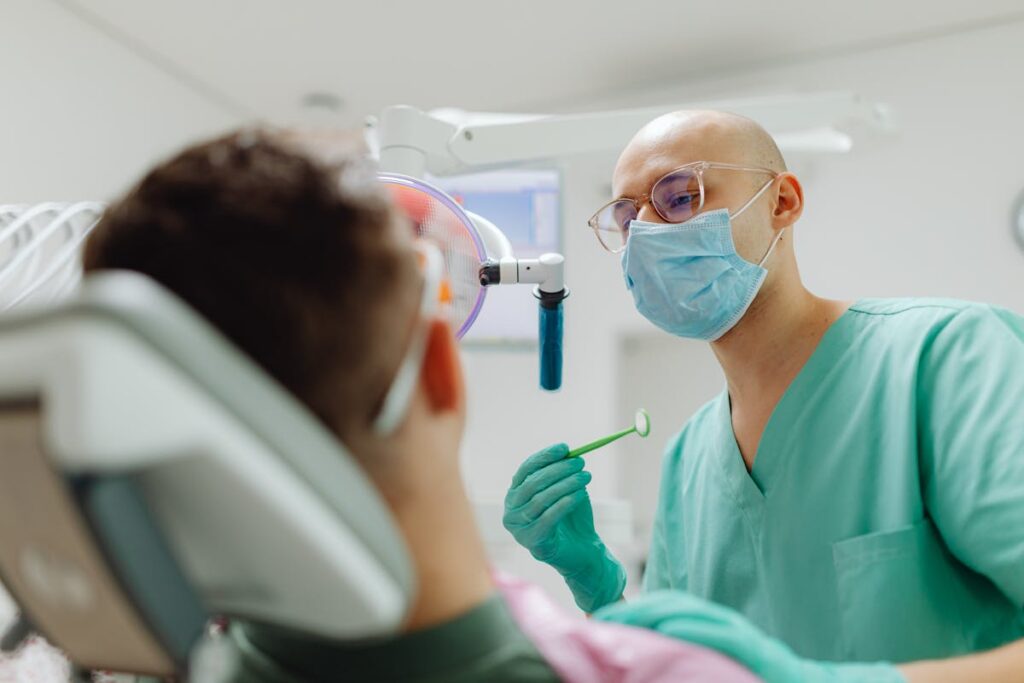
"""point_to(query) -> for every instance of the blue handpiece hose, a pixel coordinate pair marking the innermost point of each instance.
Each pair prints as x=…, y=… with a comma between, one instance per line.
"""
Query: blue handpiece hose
x=551, y=330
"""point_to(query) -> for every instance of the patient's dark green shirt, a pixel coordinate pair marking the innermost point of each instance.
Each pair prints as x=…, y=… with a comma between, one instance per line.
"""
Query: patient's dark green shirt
x=482, y=645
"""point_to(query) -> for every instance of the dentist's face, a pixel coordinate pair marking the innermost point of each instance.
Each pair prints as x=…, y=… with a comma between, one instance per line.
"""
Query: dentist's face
x=673, y=141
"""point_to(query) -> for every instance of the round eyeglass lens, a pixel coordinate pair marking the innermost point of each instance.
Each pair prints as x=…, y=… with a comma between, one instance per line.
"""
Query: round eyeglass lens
x=612, y=224
x=676, y=197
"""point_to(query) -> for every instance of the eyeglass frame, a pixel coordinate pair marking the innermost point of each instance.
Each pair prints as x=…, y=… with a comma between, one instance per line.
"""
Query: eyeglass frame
x=699, y=167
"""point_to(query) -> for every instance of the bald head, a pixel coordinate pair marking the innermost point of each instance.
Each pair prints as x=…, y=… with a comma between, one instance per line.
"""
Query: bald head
x=681, y=137
x=771, y=197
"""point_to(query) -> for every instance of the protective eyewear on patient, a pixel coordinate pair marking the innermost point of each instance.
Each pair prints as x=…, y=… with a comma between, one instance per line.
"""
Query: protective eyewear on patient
x=434, y=298
x=676, y=197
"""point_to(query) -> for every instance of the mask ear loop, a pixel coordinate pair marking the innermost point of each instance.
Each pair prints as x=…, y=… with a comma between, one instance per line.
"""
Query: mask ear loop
x=771, y=248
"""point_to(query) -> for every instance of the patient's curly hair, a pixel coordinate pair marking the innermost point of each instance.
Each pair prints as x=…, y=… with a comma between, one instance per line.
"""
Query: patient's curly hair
x=301, y=264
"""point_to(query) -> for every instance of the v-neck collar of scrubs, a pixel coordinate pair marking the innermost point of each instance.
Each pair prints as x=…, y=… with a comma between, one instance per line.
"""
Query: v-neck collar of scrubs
x=750, y=488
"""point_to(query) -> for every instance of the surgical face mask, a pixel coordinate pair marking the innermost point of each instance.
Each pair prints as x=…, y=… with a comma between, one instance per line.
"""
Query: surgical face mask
x=399, y=395
x=687, y=278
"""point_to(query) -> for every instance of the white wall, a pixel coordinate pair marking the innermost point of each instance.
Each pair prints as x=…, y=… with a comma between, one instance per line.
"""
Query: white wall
x=80, y=115
x=925, y=211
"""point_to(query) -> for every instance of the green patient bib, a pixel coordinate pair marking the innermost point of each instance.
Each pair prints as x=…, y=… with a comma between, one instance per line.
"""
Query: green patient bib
x=884, y=515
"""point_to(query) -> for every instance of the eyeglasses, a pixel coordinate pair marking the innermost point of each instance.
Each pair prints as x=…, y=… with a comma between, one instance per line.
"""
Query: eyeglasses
x=677, y=196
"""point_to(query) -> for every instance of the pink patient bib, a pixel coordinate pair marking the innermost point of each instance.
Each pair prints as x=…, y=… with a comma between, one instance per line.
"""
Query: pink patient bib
x=586, y=651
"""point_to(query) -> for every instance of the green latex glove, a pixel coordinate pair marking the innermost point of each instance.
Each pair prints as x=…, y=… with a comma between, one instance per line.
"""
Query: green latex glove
x=684, y=616
x=548, y=511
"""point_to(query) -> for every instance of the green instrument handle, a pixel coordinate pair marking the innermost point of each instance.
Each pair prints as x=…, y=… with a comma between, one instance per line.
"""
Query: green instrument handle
x=594, y=445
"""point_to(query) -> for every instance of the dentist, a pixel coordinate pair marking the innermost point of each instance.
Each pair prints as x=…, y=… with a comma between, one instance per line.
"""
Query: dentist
x=856, y=493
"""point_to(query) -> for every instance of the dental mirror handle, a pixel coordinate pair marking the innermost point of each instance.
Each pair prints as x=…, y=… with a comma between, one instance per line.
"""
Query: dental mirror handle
x=594, y=445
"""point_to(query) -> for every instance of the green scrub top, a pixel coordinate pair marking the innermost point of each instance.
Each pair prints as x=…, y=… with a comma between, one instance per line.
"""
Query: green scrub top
x=884, y=515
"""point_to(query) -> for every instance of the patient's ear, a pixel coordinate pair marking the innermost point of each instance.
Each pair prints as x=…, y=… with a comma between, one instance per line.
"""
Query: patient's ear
x=442, y=369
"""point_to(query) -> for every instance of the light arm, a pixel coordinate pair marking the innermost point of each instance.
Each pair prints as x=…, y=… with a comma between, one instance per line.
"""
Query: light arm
x=414, y=142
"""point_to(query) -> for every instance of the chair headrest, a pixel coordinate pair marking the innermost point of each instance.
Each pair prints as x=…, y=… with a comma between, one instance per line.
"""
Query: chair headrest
x=152, y=475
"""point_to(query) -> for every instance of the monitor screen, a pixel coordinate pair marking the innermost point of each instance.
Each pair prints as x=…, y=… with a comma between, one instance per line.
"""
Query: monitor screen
x=526, y=205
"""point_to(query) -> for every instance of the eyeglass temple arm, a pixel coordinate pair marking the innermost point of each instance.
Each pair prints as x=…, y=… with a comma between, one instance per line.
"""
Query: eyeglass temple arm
x=764, y=188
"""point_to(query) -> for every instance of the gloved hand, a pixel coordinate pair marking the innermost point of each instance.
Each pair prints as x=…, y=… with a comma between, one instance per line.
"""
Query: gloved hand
x=684, y=616
x=548, y=511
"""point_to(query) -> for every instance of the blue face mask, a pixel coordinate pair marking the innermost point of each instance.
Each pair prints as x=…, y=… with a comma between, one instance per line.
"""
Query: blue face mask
x=687, y=278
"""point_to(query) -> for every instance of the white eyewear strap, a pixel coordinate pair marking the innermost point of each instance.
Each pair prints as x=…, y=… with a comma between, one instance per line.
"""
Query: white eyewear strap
x=396, y=401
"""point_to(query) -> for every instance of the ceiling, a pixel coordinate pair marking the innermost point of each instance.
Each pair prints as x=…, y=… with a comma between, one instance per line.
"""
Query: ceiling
x=262, y=58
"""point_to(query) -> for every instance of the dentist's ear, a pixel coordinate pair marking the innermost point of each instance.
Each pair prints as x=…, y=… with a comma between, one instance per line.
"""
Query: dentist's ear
x=442, y=370
x=788, y=202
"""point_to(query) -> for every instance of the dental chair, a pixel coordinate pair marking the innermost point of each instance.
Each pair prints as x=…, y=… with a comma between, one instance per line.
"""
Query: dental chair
x=155, y=481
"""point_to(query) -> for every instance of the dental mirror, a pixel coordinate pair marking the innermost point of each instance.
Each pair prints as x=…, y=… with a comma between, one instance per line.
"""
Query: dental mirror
x=641, y=426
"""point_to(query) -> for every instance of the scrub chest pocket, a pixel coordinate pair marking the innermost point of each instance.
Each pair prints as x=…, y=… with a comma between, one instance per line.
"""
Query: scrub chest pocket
x=903, y=597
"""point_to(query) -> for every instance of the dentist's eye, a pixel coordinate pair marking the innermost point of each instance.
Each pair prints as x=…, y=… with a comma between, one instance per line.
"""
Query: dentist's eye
x=681, y=200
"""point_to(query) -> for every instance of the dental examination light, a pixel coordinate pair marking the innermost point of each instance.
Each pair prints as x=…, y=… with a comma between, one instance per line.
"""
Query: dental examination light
x=410, y=143
x=478, y=255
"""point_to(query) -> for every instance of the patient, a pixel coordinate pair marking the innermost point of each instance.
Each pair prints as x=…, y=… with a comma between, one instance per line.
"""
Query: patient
x=311, y=272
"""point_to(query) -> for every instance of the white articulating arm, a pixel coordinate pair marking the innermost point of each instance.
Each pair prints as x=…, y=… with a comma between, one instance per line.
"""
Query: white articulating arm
x=413, y=142
x=409, y=138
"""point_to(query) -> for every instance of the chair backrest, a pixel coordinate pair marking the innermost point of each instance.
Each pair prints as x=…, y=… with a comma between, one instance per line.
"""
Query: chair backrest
x=151, y=475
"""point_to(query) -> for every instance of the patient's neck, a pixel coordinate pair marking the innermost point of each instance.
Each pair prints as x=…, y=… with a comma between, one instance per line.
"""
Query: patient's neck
x=436, y=519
